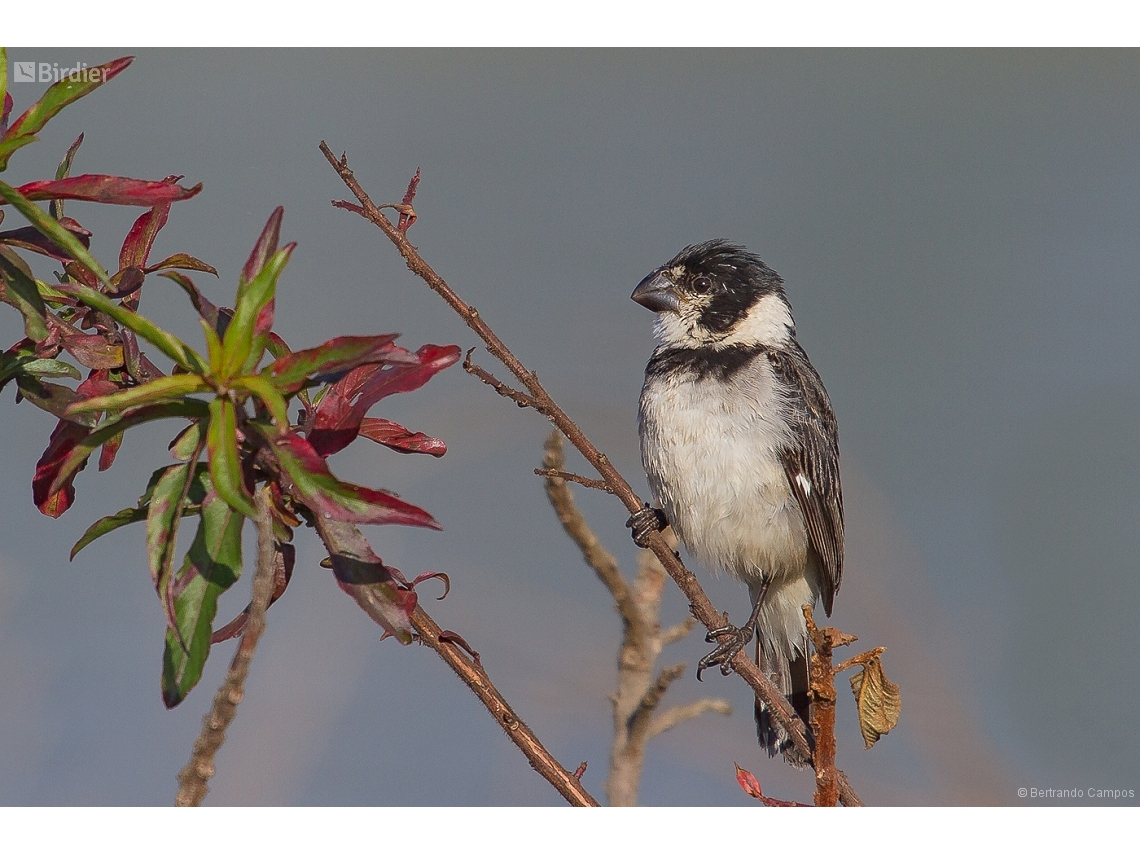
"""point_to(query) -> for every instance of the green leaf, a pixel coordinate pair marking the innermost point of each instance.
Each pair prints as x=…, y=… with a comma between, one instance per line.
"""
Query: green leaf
x=57, y=96
x=55, y=206
x=184, y=444
x=240, y=346
x=172, y=388
x=139, y=514
x=212, y=565
x=17, y=364
x=108, y=524
x=267, y=393
x=225, y=463
x=18, y=288
x=213, y=346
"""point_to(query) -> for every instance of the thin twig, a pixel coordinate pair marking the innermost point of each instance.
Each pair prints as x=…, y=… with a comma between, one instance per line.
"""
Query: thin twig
x=699, y=603
x=859, y=659
x=193, y=780
x=592, y=483
x=498, y=385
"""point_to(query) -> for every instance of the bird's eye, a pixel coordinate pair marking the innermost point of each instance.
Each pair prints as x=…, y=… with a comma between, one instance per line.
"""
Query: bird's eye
x=702, y=285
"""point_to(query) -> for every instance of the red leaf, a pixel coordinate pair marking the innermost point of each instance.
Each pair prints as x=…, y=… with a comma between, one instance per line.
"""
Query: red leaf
x=748, y=782
x=30, y=238
x=108, y=452
x=265, y=247
x=62, y=442
x=401, y=439
x=110, y=190
x=140, y=239
x=339, y=415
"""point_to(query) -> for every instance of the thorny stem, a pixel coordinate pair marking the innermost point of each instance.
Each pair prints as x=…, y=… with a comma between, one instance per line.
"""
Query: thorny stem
x=699, y=603
x=193, y=780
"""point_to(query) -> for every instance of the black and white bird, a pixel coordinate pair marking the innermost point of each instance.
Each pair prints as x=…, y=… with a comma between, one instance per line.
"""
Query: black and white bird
x=741, y=450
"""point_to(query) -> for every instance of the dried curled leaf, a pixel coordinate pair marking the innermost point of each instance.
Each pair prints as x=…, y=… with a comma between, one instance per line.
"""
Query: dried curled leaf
x=878, y=700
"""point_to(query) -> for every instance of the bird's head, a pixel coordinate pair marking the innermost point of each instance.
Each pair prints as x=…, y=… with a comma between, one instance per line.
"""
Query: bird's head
x=716, y=294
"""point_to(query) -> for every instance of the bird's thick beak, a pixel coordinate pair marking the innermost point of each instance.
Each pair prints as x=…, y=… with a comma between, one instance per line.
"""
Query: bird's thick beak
x=657, y=293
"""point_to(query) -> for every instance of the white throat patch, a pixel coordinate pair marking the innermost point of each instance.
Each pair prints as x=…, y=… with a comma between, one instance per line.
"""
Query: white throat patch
x=769, y=321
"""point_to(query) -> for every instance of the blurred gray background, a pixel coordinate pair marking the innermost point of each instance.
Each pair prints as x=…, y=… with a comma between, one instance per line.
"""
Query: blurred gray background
x=958, y=231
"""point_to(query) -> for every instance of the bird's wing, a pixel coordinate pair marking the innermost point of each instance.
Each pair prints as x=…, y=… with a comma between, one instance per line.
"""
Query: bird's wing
x=812, y=464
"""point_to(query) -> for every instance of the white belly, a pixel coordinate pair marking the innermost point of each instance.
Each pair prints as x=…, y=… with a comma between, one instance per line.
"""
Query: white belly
x=713, y=466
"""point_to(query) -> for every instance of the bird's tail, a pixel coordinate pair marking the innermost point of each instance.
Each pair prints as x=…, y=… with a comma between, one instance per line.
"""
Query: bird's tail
x=791, y=678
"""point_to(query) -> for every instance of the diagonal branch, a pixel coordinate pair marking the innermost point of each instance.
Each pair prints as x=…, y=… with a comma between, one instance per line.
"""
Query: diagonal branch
x=699, y=603
x=476, y=679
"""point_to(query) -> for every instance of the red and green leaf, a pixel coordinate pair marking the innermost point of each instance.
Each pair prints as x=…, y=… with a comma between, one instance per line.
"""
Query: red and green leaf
x=58, y=95
x=163, y=512
x=68, y=450
x=29, y=238
x=55, y=208
x=363, y=576
x=337, y=418
x=51, y=228
x=181, y=261
x=264, y=249
x=331, y=498
x=325, y=363
x=247, y=333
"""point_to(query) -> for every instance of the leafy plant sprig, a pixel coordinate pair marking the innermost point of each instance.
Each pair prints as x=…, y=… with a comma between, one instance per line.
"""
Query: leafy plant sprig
x=238, y=432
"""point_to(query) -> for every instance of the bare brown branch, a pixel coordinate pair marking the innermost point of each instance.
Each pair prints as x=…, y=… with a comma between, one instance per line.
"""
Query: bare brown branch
x=497, y=384
x=699, y=603
x=592, y=483
x=476, y=679
x=193, y=780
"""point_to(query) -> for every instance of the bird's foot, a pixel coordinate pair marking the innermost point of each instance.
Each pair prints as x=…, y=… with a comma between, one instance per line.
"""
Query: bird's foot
x=645, y=522
x=729, y=641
